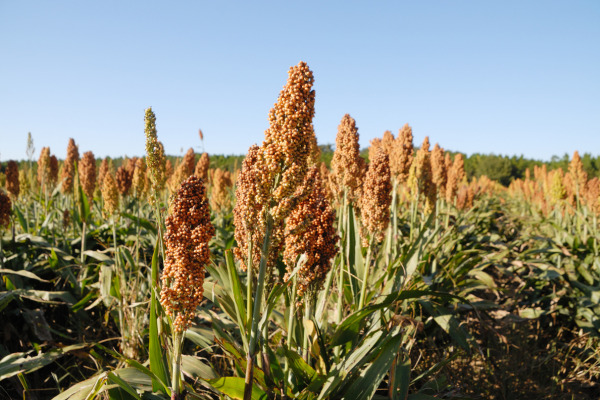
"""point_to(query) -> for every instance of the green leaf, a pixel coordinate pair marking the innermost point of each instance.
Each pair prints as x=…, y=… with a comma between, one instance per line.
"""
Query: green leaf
x=5, y=299
x=234, y=388
x=141, y=222
x=157, y=358
x=23, y=273
x=237, y=291
x=21, y=218
x=446, y=320
x=483, y=277
x=365, y=385
x=16, y=363
x=84, y=390
x=195, y=368
x=99, y=256
x=531, y=313
x=401, y=379
x=303, y=372
x=81, y=303
x=44, y=296
x=84, y=205
x=123, y=385
x=349, y=328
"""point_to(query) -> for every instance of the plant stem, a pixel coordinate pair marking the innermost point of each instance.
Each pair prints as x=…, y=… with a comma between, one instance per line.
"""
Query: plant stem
x=290, y=335
x=258, y=298
x=363, y=290
x=83, y=244
x=307, y=317
x=176, y=377
x=249, y=284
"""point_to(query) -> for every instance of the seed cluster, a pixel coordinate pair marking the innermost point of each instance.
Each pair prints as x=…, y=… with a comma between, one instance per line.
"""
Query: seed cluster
x=53, y=177
x=388, y=142
x=12, y=179
x=221, y=188
x=186, y=253
x=287, y=145
x=247, y=209
x=310, y=230
x=68, y=168
x=347, y=165
x=202, y=165
x=5, y=209
x=155, y=155
x=557, y=190
x=376, y=196
x=139, y=178
x=420, y=179
x=273, y=177
x=110, y=195
x=105, y=167
x=87, y=174
x=124, y=180
x=438, y=169
x=577, y=174
x=43, y=168
x=184, y=170
x=401, y=156
x=456, y=175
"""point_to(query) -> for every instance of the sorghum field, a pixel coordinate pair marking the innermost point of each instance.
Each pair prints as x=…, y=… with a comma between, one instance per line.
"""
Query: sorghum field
x=386, y=275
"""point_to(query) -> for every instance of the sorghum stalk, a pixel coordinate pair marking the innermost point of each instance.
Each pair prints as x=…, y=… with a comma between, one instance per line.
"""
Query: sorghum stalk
x=290, y=335
x=308, y=312
x=256, y=310
x=186, y=247
x=275, y=176
x=367, y=269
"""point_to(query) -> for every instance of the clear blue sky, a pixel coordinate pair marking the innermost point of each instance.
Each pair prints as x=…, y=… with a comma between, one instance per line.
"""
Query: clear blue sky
x=508, y=77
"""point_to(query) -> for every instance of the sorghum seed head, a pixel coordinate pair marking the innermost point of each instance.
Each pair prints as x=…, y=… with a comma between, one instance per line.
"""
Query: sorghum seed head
x=310, y=230
x=287, y=145
x=557, y=188
x=578, y=174
x=421, y=177
x=248, y=206
x=66, y=218
x=5, y=209
x=155, y=154
x=346, y=165
x=53, y=178
x=110, y=194
x=124, y=180
x=202, y=165
x=106, y=166
x=87, y=174
x=43, y=167
x=186, y=253
x=169, y=169
x=387, y=142
x=375, y=145
x=376, y=196
x=68, y=169
x=402, y=154
x=438, y=168
x=184, y=170
x=220, y=197
x=139, y=178
x=456, y=175
x=12, y=179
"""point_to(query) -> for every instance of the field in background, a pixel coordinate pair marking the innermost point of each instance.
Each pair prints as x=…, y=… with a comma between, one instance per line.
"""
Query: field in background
x=394, y=273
